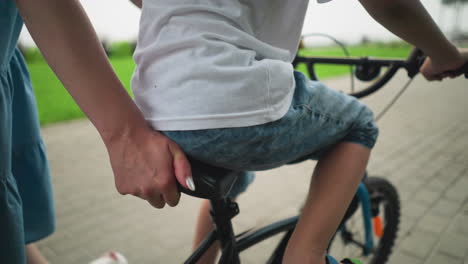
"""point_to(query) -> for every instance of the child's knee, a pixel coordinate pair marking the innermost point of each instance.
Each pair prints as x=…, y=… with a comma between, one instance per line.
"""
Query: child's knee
x=364, y=130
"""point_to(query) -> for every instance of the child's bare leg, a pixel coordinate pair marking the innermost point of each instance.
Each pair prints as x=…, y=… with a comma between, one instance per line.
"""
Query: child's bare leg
x=333, y=185
x=34, y=256
x=204, y=226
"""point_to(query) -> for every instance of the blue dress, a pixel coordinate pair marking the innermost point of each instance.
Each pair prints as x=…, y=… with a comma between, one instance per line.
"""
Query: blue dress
x=26, y=207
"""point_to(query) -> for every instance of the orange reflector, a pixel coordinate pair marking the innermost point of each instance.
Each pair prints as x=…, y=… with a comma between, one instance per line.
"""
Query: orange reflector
x=378, y=226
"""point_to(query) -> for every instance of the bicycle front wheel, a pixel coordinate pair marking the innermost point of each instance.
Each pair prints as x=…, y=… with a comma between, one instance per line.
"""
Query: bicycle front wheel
x=350, y=239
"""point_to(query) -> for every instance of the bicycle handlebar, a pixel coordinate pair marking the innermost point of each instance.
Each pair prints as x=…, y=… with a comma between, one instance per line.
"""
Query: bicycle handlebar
x=462, y=70
x=368, y=69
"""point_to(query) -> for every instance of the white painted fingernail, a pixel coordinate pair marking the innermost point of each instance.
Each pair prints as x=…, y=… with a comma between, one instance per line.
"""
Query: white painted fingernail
x=190, y=183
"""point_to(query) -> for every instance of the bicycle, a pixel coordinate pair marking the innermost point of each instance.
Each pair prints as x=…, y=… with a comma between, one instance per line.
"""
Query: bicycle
x=376, y=198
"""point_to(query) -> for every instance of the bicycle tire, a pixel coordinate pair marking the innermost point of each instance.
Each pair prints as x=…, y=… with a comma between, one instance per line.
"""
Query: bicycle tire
x=379, y=188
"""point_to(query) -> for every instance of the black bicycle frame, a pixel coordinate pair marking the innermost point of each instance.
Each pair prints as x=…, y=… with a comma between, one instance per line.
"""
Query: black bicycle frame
x=222, y=212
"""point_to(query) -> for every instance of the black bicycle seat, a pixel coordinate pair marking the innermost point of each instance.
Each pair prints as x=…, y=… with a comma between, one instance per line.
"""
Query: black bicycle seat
x=211, y=182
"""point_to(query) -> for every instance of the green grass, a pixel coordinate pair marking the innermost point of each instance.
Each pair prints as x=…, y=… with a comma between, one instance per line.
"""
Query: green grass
x=54, y=102
x=56, y=105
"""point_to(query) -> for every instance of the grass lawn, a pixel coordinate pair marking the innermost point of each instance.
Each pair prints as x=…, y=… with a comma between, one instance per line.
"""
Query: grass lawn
x=56, y=105
x=54, y=102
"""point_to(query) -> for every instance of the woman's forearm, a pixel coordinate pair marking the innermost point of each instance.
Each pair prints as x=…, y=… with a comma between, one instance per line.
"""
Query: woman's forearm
x=68, y=42
x=409, y=20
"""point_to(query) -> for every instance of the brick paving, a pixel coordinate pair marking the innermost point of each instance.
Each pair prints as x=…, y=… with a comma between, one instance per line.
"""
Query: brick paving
x=422, y=149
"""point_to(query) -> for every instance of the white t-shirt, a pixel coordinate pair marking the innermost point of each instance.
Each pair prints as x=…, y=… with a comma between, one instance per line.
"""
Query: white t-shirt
x=216, y=63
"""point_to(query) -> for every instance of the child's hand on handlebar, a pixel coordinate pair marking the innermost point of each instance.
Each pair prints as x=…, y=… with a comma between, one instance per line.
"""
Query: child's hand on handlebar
x=434, y=70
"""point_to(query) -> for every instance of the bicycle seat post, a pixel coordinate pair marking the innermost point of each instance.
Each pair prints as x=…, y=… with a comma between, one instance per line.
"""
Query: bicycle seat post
x=222, y=211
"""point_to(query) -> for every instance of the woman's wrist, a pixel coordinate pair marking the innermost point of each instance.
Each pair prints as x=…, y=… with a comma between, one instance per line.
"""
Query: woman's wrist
x=124, y=129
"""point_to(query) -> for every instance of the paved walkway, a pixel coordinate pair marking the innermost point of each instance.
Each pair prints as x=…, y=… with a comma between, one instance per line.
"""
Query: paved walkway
x=423, y=150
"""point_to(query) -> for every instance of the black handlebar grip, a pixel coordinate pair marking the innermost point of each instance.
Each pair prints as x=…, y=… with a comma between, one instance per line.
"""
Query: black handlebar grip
x=415, y=55
x=414, y=62
x=462, y=70
x=416, y=59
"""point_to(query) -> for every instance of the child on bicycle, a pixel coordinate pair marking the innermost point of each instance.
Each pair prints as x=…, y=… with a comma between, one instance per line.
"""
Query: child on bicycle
x=215, y=76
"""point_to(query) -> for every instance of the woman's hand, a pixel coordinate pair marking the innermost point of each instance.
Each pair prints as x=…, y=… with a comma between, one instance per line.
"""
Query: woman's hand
x=439, y=69
x=147, y=164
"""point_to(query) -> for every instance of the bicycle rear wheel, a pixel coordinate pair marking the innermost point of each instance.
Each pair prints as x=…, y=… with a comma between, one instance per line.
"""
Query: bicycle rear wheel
x=349, y=240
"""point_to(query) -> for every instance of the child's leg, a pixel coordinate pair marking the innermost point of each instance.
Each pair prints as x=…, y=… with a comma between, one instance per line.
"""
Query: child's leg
x=204, y=226
x=334, y=183
x=34, y=256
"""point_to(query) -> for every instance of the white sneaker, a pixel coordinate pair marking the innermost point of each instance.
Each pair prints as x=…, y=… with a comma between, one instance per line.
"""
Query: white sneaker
x=110, y=257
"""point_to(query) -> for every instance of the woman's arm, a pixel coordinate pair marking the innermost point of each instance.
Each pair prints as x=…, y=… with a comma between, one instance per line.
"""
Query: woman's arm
x=409, y=20
x=144, y=162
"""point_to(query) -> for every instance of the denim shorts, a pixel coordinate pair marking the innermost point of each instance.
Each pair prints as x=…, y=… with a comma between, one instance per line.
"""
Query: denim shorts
x=317, y=119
